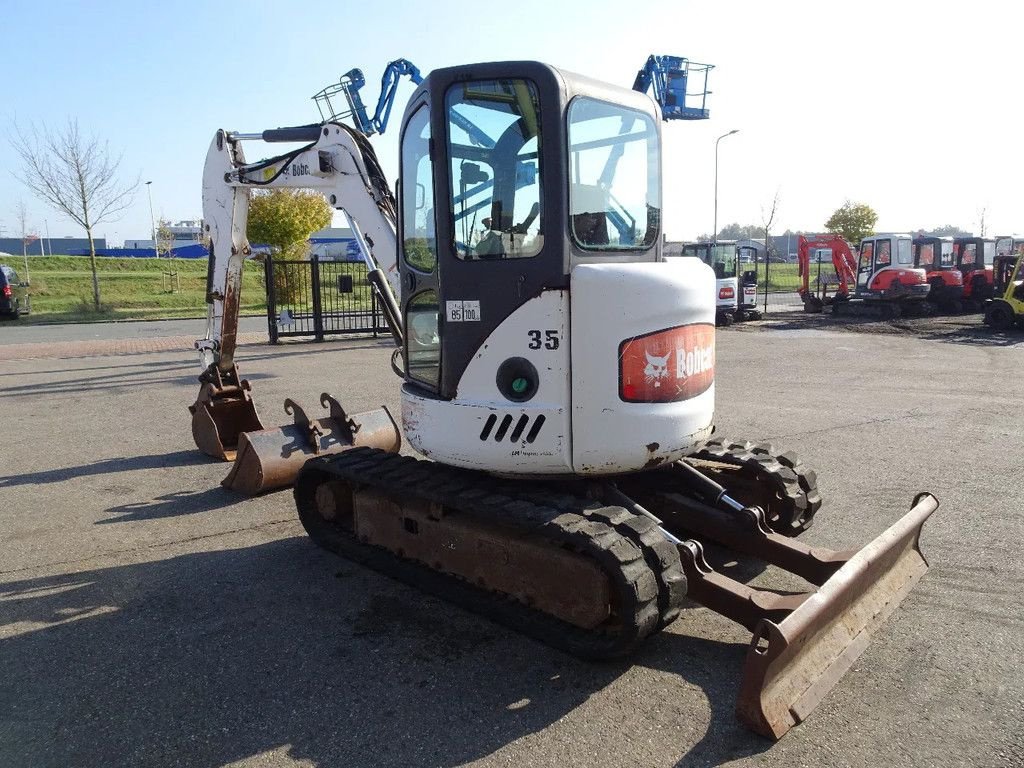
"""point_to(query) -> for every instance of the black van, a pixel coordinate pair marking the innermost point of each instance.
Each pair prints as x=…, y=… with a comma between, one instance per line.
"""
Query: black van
x=13, y=297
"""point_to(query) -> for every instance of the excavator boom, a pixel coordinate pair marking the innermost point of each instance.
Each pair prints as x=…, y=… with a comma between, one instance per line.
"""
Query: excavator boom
x=843, y=261
x=338, y=161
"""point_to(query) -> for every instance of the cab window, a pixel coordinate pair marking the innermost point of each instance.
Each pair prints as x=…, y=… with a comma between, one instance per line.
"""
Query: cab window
x=946, y=257
x=723, y=261
x=883, y=254
x=926, y=254
x=989, y=253
x=614, y=177
x=419, y=245
x=903, y=252
x=968, y=252
x=495, y=145
x=422, y=340
x=867, y=252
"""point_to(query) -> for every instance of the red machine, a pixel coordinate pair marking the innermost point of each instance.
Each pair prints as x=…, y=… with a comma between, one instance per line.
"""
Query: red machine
x=974, y=257
x=888, y=283
x=935, y=256
x=884, y=279
x=843, y=260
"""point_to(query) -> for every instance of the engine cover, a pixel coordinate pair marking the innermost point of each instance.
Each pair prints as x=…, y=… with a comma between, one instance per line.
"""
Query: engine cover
x=643, y=363
x=616, y=375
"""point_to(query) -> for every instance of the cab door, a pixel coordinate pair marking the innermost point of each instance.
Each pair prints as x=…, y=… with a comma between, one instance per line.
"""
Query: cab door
x=480, y=209
x=865, y=263
x=418, y=248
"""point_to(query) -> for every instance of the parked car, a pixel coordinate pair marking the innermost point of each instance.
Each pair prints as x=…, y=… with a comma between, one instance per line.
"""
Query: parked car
x=13, y=296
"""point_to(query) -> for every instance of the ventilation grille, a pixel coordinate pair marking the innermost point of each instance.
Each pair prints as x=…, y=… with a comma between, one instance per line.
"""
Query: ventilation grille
x=512, y=429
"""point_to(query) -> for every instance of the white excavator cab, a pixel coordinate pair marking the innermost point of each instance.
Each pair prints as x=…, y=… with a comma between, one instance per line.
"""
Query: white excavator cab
x=885, y=269
x=545, y=333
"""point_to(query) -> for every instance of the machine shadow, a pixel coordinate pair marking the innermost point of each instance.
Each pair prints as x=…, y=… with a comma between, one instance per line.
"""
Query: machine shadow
x=108, y=466
x=176, y=504
x=107, y=383
x=150, y=367
x=208, y=658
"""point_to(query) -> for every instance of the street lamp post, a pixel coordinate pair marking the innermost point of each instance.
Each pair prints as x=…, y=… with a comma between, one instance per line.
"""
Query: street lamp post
x=152, y=219
x=714, y=230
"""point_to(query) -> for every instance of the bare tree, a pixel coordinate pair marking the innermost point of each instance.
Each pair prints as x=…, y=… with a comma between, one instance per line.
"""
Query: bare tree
x=767, y=218
x=21, y=216
x=981, y=220
x=76, y=175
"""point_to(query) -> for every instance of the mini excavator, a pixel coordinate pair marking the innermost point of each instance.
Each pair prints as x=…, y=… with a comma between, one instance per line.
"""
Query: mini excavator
x=557, y=383
x=880, y=282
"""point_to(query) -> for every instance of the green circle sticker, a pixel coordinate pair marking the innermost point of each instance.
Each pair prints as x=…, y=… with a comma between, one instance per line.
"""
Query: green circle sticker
x=520, y=385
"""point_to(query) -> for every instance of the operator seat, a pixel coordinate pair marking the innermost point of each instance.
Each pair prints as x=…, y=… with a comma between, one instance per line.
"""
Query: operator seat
x=589, y=221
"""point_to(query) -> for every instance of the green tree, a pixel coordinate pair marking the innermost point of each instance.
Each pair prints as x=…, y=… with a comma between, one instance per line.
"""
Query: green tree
x=285, y=218
x=735, y=231
x=854, y=221
x=949, y=230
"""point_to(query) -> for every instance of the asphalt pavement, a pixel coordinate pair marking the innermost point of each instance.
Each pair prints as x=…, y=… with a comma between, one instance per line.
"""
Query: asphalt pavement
x=148, y=617
x=24, y=333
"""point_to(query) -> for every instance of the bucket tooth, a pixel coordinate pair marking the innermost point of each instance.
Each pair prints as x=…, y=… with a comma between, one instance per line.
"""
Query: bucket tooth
x=223, y=410
x=271, y=458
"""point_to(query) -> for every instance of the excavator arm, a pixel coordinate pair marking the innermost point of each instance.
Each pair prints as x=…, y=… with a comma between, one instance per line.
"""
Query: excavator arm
x=334, y=159
x=842, y=259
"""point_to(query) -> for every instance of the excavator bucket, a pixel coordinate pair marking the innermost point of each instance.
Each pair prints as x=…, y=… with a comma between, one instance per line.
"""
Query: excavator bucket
x=271, y=458
x=802, y=643
x=223, y=410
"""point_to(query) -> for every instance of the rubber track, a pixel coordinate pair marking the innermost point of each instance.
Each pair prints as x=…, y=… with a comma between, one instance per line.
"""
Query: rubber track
x=661, y=555
x=634, y=587
x=795, y=483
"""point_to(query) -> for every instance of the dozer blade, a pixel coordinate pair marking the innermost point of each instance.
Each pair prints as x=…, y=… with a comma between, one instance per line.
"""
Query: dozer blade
x=803, y=643
x=271, y=458
x=223, y=410
x=793, y=664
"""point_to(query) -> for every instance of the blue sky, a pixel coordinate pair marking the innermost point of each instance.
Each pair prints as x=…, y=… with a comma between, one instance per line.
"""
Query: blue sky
x=913, y=108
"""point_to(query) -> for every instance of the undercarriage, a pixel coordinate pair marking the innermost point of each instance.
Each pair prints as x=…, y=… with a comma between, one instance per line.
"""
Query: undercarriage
x=879, y=309
x=594, y=568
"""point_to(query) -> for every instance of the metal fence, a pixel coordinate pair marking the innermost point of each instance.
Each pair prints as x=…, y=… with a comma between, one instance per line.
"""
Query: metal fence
x=778, y=284
x=318, y=298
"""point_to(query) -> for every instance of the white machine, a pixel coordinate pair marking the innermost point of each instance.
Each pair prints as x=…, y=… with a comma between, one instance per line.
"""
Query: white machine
x=557, y=374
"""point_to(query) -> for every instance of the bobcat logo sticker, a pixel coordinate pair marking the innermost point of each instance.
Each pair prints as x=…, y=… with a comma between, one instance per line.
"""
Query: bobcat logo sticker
x=667, y=366
x=657, y=368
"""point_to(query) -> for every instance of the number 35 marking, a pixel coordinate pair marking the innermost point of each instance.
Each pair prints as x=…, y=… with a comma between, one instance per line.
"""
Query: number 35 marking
x=546, y=339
